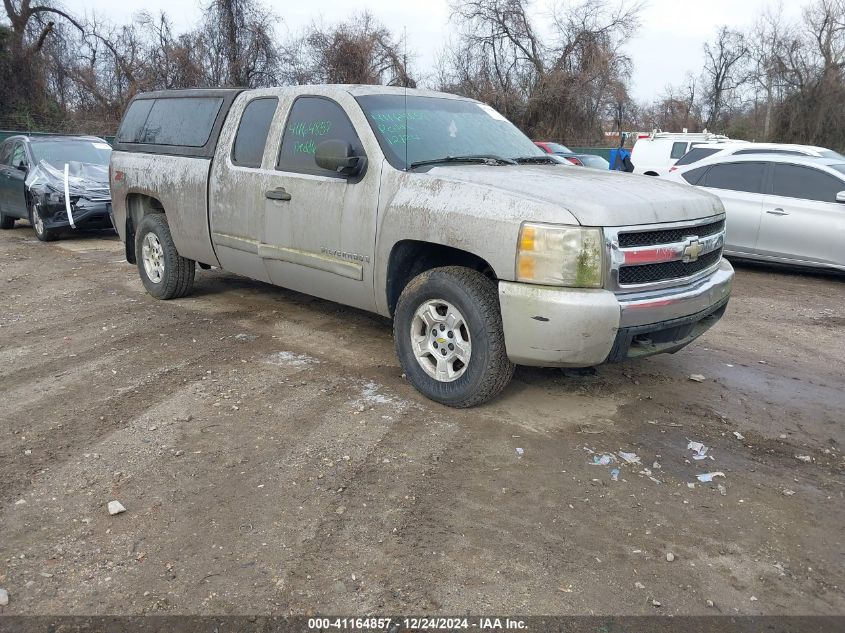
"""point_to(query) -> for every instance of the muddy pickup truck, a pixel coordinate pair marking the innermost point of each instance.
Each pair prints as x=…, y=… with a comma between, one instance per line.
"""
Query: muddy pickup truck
x=425, y=207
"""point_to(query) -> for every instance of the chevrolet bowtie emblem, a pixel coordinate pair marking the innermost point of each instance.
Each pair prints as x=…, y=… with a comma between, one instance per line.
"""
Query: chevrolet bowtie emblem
x=692, y=250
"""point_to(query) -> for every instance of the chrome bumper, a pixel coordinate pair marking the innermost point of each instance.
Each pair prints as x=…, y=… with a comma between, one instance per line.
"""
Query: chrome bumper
x=674, y=303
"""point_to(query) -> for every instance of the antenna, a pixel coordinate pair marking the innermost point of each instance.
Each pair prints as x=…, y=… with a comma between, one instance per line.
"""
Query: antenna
x=405, y=81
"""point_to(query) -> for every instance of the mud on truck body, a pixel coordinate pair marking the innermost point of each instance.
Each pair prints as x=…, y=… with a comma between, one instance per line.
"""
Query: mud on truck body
x=425, y=207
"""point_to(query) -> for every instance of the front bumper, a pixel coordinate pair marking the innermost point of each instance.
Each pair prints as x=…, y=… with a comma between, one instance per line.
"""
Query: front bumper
x=574, y=327
x=86, y=214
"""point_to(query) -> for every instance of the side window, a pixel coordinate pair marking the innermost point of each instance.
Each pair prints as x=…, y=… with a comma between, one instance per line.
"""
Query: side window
x=18, y=155
x=251, y=137
x=180, y=121
x=678, y=150
x=694, y=175
x=794, y=181
x=311, y=121
x=747, y=177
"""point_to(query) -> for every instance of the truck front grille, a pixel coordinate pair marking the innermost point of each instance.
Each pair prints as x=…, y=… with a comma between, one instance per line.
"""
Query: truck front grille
x=663, y=255
x=649, y=273
x=668, y=236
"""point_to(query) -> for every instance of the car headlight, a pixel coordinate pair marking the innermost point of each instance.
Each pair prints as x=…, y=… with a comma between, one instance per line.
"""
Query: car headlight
x=554, y=255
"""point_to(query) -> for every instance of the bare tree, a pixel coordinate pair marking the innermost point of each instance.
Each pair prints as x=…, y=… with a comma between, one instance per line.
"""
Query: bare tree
x=723, y=59
x=358, y=50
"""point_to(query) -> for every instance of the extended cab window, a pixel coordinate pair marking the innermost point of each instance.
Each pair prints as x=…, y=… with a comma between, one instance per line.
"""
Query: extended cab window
x=311, y=121
x=806, y=183
x=678, y=150
x=746, y=177
x=180, y=121
x=251, y=138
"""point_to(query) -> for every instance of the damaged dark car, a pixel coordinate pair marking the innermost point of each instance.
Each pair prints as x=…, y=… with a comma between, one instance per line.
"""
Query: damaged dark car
x=58, y=183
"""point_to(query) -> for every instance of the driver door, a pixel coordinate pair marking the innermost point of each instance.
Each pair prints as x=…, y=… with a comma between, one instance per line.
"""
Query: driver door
x=320, y=226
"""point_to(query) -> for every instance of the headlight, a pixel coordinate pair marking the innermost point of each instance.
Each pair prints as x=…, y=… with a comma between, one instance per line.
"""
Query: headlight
x=553, y=255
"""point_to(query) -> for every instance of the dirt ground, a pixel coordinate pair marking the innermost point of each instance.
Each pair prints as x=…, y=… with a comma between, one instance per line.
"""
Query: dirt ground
x=272, y=459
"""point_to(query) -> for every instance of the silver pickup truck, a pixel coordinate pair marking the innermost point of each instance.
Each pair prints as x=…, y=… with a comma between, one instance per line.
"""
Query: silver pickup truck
x=425, y=207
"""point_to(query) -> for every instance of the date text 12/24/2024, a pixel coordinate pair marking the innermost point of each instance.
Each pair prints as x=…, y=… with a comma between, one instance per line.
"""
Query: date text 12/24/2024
x=416, y=624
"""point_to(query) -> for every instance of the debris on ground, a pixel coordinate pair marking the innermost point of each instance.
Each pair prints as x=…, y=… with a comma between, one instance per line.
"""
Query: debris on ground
x=722, y=490
x=520, y=452
x=245, y=338
x=115, y=507
x=804, y=458
x=698, y=448
x=787, y=492
x=697, y=378
x=4, y=597
x=603, y=460
x=631, y=458
x=670, y=557
x=614, y=474
x=739, y=435
x=705, y=477
x=639, y=585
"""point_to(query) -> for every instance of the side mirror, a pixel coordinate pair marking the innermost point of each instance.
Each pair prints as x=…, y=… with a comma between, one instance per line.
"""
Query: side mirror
x=338, y=156
x=21, y=167
x=840, y=197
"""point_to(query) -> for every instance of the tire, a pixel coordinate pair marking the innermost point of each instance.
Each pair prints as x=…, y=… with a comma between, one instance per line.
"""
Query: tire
x=41, y=232
x=6, y=222
x=471, y=298
x=171, y=276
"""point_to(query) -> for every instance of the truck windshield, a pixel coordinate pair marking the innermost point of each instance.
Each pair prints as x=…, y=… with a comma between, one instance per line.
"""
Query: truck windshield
x=57, y=153
x=416, y=129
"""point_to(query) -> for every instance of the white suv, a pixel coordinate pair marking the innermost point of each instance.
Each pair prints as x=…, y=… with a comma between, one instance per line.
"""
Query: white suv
x=655, y=153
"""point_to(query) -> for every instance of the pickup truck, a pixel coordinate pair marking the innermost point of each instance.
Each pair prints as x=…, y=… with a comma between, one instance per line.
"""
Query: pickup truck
x=426, y=207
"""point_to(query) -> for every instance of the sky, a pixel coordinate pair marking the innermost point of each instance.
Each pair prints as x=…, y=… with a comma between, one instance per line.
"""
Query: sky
x=668, y=44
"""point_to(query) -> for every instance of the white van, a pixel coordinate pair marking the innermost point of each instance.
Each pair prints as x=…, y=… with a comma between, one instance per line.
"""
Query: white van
x=655, y=153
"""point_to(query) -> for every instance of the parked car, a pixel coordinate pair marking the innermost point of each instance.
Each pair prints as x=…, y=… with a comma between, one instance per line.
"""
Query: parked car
x=580, y=159
x=654, y=154
x=780, y=208
x=55, y=182
x=426, y=207
x=700, y=152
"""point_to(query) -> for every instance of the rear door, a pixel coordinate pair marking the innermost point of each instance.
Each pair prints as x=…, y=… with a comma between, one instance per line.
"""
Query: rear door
x=320, y=227
x=740, y=187
x=801, y=219
x=241, y=174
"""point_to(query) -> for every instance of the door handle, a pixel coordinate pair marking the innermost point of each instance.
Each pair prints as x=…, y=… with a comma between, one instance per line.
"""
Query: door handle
x=278, y=193
x=777, y=211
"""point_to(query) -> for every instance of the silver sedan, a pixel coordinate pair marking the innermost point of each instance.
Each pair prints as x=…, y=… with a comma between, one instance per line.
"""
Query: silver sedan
x=785, y=209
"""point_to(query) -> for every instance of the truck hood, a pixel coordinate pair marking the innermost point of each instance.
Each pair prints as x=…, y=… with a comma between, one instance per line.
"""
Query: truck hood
x=593, y=197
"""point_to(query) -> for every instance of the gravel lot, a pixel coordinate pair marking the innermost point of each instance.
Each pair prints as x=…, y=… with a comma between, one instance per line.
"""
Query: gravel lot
x=271, y=459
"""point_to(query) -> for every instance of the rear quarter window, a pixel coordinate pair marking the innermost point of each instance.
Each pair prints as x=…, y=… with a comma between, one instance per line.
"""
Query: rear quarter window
x=694, y=176
x=248, y=149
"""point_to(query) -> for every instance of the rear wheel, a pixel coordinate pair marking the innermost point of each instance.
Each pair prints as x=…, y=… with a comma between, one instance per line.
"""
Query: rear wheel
x=449, y=339
x=41, y=232
x=6, y=222
x=165, y=273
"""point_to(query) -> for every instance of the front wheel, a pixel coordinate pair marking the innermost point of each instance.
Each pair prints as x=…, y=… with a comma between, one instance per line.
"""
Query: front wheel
x=448, y=334
x=165, y=273
x=41, y=232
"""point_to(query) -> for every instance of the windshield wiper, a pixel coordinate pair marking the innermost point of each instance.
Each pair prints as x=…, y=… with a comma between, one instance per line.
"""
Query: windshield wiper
x=534, y=160
x=485, y=159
